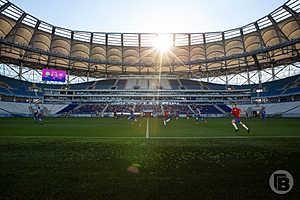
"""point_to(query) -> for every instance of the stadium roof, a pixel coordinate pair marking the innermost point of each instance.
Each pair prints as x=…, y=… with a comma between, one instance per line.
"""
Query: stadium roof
x=270, y=41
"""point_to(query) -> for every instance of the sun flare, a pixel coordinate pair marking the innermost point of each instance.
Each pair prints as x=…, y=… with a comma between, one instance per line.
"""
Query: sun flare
x=163, y=42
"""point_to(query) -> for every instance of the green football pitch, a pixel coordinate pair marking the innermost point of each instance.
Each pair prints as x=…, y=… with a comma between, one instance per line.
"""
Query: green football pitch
x=82, y=158
x=182, y=128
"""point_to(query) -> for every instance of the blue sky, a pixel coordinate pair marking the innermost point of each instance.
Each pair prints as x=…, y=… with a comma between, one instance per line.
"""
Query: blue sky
x=149, y=15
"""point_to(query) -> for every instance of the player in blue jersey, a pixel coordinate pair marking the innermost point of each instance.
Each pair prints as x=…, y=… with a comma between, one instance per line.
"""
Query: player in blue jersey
x=132, y=116
x=37, y=115
x=263, y=113
x=199, y=116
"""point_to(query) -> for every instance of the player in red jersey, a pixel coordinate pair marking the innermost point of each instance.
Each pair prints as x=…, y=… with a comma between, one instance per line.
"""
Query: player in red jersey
x=166, y=117
x=237, y=118
x=177, y=115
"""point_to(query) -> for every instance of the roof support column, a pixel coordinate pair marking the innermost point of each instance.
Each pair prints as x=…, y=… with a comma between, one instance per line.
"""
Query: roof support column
x=122, y=53
x=248, y=76
x=278, y=31
x=106, y=52
x=205, y=56
x=189, y=55
x=14, y=29
x=244, y=51
x=52, y=37
x=273, y=71
x=68, y=77
x=173, y=57
x=20, y=70
x=34, y=33
x=258, y=71
x=139, y=53
x=225, y=62
x=261, y=41
x=71, y=47
x=90, y=55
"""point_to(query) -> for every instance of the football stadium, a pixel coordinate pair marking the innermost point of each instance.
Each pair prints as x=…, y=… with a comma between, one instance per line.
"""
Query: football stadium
x=123, y=115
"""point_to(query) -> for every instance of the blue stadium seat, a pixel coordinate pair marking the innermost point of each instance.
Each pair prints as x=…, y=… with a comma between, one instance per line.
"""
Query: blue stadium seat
x=105, y=84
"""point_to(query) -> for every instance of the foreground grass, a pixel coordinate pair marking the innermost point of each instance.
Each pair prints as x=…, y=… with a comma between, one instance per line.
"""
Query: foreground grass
x=95, y=168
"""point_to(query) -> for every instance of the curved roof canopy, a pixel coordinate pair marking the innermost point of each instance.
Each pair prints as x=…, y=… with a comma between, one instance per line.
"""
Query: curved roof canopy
x=270, y=41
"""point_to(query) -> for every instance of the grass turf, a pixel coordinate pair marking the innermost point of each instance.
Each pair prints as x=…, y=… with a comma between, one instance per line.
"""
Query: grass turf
x=107, y=127
x=96, y=168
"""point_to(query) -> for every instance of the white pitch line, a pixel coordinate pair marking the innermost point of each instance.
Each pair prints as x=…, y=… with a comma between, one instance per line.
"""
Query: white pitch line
x=224, y=137
x=128, y=137
x=147, y=129
x=75, y=137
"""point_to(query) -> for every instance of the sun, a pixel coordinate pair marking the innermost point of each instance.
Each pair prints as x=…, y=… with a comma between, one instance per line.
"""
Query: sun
x=163, y=42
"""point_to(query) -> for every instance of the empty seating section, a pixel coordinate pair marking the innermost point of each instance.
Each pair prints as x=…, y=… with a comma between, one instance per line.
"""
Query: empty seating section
x=148, y=107
x=17, y=87
x=153, y=85
x=79, y=86
x=214, y=86
x=105, y=84
x=174, y=84
x=180, y=108
x=284, y=86
x=165, y=84
x=50, y=86
x=67, y=109
x=4, y=91
x=225, y=108
x=192, y=85
x=206, y=109
x=89, y=109
x=293, y=87
x=199, y=85
x=117, y=108
x=142, y=84
x=146, y=84
x=121, y=84
x=130, y=84
x=20, y=88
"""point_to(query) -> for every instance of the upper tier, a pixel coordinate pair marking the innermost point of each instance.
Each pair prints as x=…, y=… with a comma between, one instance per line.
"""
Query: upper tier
x=12, y=87
x=270, y=41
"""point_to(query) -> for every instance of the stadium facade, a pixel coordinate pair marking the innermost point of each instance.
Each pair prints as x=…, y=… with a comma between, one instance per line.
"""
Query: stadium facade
x=241, y=65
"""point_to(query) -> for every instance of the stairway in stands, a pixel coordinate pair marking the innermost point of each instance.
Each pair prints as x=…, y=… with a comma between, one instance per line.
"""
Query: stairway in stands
x=114, y=86
x=191, y=109
x=67, y=109
x=104, y=109
x=220, y=109
x=180, y=84
x=92, y=86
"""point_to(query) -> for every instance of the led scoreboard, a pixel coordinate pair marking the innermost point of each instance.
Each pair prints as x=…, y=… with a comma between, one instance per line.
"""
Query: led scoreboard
x=53, y=75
